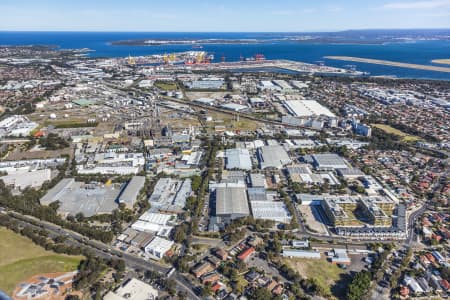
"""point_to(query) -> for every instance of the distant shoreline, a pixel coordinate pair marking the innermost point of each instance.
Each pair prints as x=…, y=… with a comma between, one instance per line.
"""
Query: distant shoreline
x=441, y=61
x=390, y=63
x=300, y=40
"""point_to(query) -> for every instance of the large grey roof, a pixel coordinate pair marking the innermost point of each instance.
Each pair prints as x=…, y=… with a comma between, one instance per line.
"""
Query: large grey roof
x=329, y=160
x=54, y=193
x=257, y=194
x=257, y=180
x=89, y=199
x=273, y=156
x=131, y=191
x=231, y=200
x=238, y=159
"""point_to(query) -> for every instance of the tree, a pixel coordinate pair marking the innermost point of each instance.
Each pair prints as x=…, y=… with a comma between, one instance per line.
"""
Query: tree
x=53, y=142
x=206, y=291
x=55, y=205
x=79, y=217
x=179, y=234
x=170, y=286
x=445, y=273
x=360, y=189
x=359, y=286
x=120, y=265
x=261, y=293
x=196, y=182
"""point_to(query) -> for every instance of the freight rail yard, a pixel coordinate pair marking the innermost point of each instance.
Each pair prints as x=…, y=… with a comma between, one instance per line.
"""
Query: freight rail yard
x=185, y=178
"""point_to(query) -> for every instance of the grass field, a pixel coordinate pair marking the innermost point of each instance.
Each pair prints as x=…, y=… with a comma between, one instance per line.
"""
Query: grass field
x=70, y=124
x=231, y=124
x=388, y=129
x=324, y=272
x=20, y=259
x=166, y=86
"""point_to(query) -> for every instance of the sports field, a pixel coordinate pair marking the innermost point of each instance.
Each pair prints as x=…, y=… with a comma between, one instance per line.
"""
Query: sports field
x=20, y=259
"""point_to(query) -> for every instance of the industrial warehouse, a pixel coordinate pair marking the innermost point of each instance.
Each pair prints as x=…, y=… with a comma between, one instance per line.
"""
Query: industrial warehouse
x=131, y=192
x=78, y=197
x=270, y=210
x=307, y=108
x=170, y=195
x=231, y=201
x=273, y=157
x=328, y=161
x=238, y=159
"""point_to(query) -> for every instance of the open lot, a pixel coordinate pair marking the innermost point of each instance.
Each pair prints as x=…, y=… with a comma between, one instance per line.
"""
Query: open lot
x=18, y=154
x=263, y=264
x=230, y=122
x=20, y=259
x=166, y=86
x=390, y=130
x=207, y=94
x=313, y=219
x=323, y=271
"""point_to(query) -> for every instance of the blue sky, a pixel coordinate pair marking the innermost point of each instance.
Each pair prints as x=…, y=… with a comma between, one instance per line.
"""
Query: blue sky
x=224, y=15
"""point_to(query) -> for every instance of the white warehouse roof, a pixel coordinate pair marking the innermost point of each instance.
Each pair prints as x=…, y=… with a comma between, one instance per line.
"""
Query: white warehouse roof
x=158, y=247
x=268, y=210
x=307, y=108
x=301, y=253
x=25, y=178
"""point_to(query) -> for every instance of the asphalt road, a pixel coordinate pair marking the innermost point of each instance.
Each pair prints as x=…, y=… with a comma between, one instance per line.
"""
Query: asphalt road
x=411, y=222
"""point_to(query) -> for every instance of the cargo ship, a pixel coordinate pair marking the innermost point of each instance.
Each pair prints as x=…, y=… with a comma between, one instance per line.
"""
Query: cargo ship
x=256, y=57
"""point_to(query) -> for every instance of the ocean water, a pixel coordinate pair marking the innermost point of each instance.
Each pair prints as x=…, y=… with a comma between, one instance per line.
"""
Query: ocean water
x=418, y=52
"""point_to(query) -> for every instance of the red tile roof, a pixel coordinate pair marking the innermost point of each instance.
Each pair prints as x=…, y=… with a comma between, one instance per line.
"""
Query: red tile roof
x=246, y=253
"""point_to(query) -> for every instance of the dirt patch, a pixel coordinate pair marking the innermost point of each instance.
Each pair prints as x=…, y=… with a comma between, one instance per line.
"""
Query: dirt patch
x=18, y=154
x=311, y=219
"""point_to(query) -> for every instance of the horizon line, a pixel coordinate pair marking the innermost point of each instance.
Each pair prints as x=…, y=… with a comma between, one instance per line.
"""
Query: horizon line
x=195, y=31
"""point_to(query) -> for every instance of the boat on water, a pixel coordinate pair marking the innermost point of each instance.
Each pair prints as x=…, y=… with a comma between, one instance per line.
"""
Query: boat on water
x=256, y=57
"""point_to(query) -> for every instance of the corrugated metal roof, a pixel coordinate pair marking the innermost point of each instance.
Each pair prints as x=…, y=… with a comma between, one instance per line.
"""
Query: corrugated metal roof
x=238, y=159
x=231, y=200
x=131, y=191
